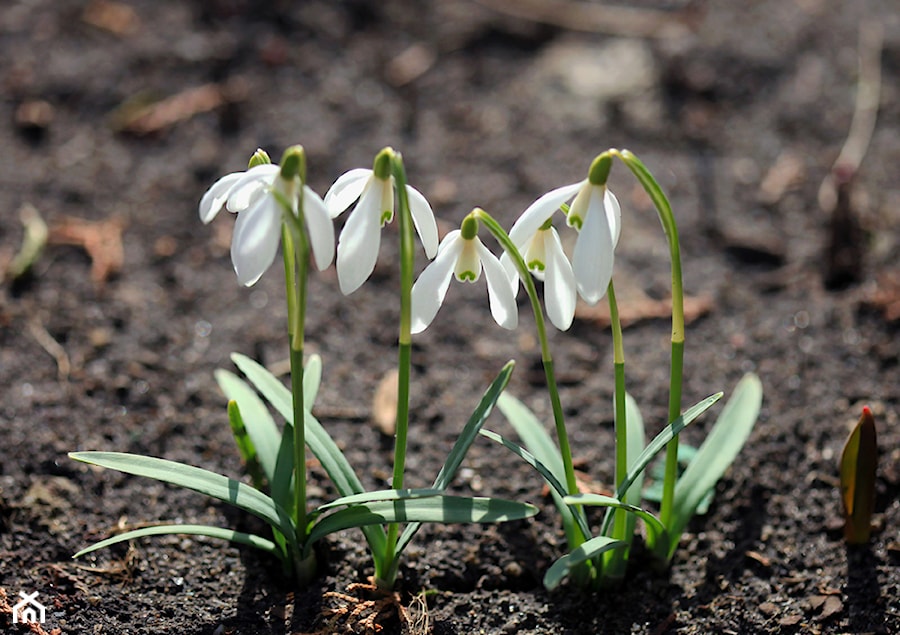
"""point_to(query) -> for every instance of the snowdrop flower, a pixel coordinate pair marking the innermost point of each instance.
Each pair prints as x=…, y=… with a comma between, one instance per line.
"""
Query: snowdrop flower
x=462, y=254
x=596, y=214
x=261, y=197
x=543, y=254
x=360, y=239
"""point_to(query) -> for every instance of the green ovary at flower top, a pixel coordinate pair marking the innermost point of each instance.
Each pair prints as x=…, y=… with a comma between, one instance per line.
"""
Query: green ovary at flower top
x=462, y=255
x=360, y=239
x=596, y=214
x=261, y=196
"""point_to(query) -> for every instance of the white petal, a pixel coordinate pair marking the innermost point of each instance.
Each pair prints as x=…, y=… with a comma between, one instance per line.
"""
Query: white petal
x=613, y=215
x=559, y=283
x=257, y=233
x=247, y=191
x=539, y=211
x=579, y=209
x=345, y=190
x=502, y=300
x=592, y=259
x=320, y=227
x=215, y=197
x=510, y=267
x=423, y=218
x=430, y=289
x=357, y=249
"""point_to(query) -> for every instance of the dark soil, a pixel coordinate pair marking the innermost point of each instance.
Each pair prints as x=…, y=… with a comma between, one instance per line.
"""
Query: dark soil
x=489, y=109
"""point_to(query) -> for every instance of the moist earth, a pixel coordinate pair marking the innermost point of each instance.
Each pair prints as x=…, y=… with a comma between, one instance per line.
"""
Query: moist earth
x=116, y=117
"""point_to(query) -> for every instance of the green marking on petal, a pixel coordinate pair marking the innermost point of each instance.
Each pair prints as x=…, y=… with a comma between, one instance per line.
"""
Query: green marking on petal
x=547, y=224
x=575, y=221
x=536, y=265
x=387, y=216
x=466, y=276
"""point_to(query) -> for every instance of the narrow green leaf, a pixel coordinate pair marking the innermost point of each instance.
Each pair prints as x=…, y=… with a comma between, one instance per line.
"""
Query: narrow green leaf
x=218, y=486
x=342, y=475
x=282, y=484
x=463, y=442
x=435, y=509
x=655, y=528
x=635, y=436
x=197, y=530
x=657, y=445
x=379, y=496
x=544, y=450
x=473, y=426
x=557, y=489
x=586, y=551
x=718, y=451
x=312, y=378
x=534, y=436
x=859, y=461
x=662, y=439
x=260, y=426
x=275, y=392
x=245, y=445
x=319, y=441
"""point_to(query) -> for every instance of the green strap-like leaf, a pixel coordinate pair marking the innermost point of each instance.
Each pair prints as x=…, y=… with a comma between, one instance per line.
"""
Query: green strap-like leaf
x=654, y=526
x=657, y=445
x=718, y=451
x=218, y=486
x=197, y=530
x=435, y=509
x=259, y=423
x=319, y=441
x=588, y=550
x=544, y=450
x=379, y=496
x=556, y=487
x=463, y=442
x=245, y=445
x=662, y=439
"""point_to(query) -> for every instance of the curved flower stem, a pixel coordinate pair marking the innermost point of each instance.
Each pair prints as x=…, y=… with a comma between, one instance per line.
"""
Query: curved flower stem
x=664, y=210
x=558, y=417
x=386, y=573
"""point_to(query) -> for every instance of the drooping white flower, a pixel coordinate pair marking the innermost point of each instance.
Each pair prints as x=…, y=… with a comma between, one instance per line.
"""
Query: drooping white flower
x=595, y=213
x=360, y=239
x=543, y=254
x=261, y=197
x=462, y=255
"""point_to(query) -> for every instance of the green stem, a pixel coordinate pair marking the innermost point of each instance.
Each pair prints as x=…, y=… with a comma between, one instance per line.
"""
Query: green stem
x=525, y=275
x=614, y=567
x=296, y=273
x=667, y=218
x=388, y=573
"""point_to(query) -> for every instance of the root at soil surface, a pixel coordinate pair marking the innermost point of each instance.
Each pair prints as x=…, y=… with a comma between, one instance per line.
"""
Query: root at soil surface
x=365, y=607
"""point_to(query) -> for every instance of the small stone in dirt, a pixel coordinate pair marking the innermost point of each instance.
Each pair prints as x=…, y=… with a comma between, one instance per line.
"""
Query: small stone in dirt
x=768, y=608
x=790, y=620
